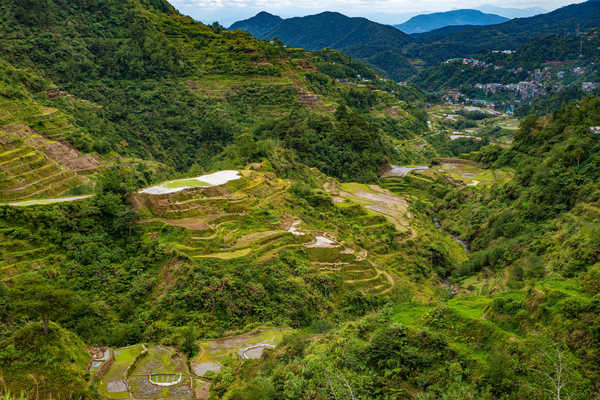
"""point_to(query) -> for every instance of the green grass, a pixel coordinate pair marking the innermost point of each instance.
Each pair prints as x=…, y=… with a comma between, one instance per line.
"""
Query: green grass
x=410, y=315
x=470, y=307
x=183, y=183
x=227, y=255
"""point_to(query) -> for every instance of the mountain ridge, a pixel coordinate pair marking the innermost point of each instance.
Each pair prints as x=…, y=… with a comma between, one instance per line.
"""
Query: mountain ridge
x=258, y=25
x=378, y=45
x=428, y=22
x=511, y=12
x=450, y=42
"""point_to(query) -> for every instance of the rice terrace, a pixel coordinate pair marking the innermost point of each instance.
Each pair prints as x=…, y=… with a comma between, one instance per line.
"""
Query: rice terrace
x=306, y=206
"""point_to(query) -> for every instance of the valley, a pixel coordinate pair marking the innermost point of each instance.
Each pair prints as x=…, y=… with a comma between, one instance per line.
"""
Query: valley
x=194, y=212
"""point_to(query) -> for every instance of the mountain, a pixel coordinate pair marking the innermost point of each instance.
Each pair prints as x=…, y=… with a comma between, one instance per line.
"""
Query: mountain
x=428, y=22
x=101, y=99
x=187, y=212
x=450, y=42
x=511, y=12
x=380, y=46
x=396, y=54
x=259, y=25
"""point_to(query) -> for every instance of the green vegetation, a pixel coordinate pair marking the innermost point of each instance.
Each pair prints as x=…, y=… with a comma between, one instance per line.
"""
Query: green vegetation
x=324, y=270
x=150, y=83
x=379, y=46
x=446, y=43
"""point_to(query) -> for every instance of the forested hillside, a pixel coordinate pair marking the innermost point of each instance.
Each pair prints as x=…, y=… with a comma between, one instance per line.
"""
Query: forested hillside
x=379, y=46
x=400, y=56
x=188, y=212
x=259, y=25
x=436, y=46
x=166, y=87
x=519, y=316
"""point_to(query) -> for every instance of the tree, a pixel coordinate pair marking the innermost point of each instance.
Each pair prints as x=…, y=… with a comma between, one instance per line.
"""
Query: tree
x=38, y=299
x=189, y=346
x=590, y=280
x=552, y=371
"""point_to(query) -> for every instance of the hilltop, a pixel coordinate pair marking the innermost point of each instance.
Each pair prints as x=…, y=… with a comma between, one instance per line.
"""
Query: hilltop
x=429, y=22
x=400, y=56
x=379, y=46
x=259, y=25
x=512, y=12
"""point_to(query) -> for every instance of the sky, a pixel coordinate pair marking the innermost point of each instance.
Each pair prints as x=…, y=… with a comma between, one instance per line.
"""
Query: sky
x=384, y=11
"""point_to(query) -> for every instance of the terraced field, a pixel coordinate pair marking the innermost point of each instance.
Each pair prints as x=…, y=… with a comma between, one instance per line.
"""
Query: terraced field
x=229, y=221
x=360, y=275
x=220, y=221
x=378, y=201
x=48, y=121
x=34, y=162
x=161, y=365
x=153, y=372
x=18, y=256
x=217, y=352
x=150, y=373
x=458, y=170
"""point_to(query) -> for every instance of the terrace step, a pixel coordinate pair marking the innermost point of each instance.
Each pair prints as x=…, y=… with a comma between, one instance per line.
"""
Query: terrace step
x=16, y=257
x=39, y=182
x=380, y=289
x=51, y=185
x=57, y=188
x=32, y=158
x=8, y=245
x=45, y=170
x=272, y=253
x=14, y=153
x=360, y=283
x=265, y=245
x=9, y=272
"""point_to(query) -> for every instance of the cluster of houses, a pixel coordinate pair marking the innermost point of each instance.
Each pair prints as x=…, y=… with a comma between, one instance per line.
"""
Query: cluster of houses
x=468, y=61
x=539, y=82
x=525, y=90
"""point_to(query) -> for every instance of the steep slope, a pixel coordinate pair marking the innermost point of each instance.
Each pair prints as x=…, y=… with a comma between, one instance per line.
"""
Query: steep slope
x=446, y=43
x=165, y=87
x=39, y=365
x=428, y=22
x=522, y=307
x=138, y=83
x=378, y=45
x=259, y=25
x=36, y=161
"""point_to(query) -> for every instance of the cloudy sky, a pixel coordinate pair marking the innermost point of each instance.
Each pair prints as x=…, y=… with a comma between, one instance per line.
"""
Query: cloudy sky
x=384, y=11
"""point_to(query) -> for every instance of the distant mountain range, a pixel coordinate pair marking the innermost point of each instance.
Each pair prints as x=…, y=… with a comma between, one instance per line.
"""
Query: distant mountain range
x=451, y=42
x=512, y=12
x=380, y=46
x=395, y=53
x=428, y=22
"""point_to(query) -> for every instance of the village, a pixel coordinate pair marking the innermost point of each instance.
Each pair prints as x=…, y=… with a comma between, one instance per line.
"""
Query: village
x=553, y=77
